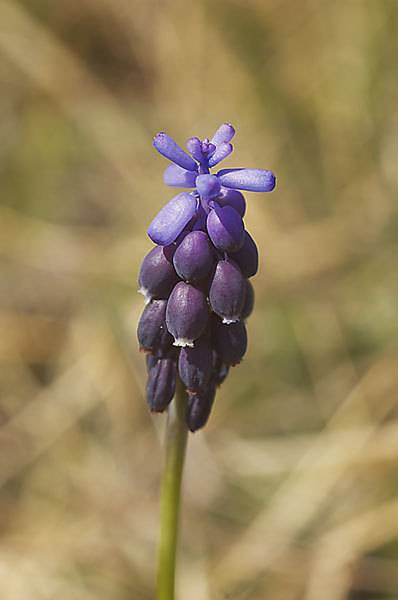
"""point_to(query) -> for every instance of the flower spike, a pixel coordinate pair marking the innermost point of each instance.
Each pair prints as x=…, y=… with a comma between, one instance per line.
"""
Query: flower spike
x=196, y=279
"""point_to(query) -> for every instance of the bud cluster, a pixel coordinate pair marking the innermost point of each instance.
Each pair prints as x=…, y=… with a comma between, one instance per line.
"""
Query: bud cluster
x=196, y=278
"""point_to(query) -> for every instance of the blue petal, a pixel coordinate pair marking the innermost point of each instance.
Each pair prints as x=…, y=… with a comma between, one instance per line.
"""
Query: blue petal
x=223, y=150
x=175, y=176
x=224, y=133
x=252, y=180
x=172, y=218
x=166, y=146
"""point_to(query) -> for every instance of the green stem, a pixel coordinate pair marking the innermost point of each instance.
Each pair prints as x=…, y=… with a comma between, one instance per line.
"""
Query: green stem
x=176, y=440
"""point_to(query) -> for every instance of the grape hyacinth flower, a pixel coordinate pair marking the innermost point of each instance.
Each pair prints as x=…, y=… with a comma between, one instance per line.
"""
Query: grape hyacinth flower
x=195, y=280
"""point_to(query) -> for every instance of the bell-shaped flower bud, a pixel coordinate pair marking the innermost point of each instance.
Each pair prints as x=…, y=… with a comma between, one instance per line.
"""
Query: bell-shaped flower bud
x=220, y=370
x=175, y=176
x=249, y=301
x=152, y=333
x=253, y=180
x=157, y=275
x=161, y=384
x=222, y=151
x=232, y=198
x=194, y=146
x=166, y=146
x=230, y=342
x=194, y=257
x=208, y=148
x=199, y=407
x=224, y=134
x=208, y=186
x=195, y=365
x=247, y=256
x=172, y=218
x=150, y=360
x=187, y=314
x=227, y=291
x=201, y=218
x=225, y=228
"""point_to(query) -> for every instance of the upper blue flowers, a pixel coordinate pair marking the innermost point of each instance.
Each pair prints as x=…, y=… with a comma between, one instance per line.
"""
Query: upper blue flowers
x=210, y=192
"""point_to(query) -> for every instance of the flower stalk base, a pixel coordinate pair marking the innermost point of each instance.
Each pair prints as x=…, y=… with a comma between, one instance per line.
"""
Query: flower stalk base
x=176, y=440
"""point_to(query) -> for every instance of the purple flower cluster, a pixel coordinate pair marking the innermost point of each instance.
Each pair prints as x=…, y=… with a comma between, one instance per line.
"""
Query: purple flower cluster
x=196, y=279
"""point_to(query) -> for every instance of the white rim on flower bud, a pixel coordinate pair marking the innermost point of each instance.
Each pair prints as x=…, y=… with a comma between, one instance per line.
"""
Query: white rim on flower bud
x=230, y=320
x=183, y=342
x=146, y=294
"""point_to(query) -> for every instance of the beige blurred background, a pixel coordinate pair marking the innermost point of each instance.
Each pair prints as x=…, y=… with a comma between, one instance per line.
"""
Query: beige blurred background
x=291, y=492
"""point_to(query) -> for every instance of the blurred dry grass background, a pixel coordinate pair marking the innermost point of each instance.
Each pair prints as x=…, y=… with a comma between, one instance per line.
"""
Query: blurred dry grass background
x=291, y=492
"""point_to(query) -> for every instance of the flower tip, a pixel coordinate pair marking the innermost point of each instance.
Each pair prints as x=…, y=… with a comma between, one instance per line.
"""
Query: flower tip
x=224, y=134
x=231, y=129
x=272, y=182
x=158, y=137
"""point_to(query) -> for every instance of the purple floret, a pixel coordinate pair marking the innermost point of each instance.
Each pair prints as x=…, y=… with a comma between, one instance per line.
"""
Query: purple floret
x=157, y=275
x=195, y=365
x=172, y=218
x=166, y=146
x=225, y=228
x=247, y=256
x=187, y=314
x=252, y=180
x=228, y=291
x=161, y=384
x=194, y=257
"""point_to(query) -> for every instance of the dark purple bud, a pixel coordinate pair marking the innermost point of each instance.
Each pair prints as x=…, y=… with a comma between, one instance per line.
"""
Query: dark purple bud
x=174, y=176
x=208, y=186
x=150, y=360
x=201, y=218
x=211, y=148
x=225, y=228
x=157, y=275
x=195, y=365
x=199, y=407
x=249, y=301
x=172, y=218
x=220, y=370
x=222, y=151
x=166, y=146
x=161, y=384
x=227, y=291
x=221, y=375
x=253, y=180
x=232, y=198
x=187, y=314
x=208, y=148
x=194, y=146
x=151, y=331
x=247, y=256
x=224, y=134
x=230, y=341
x=194, y=257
